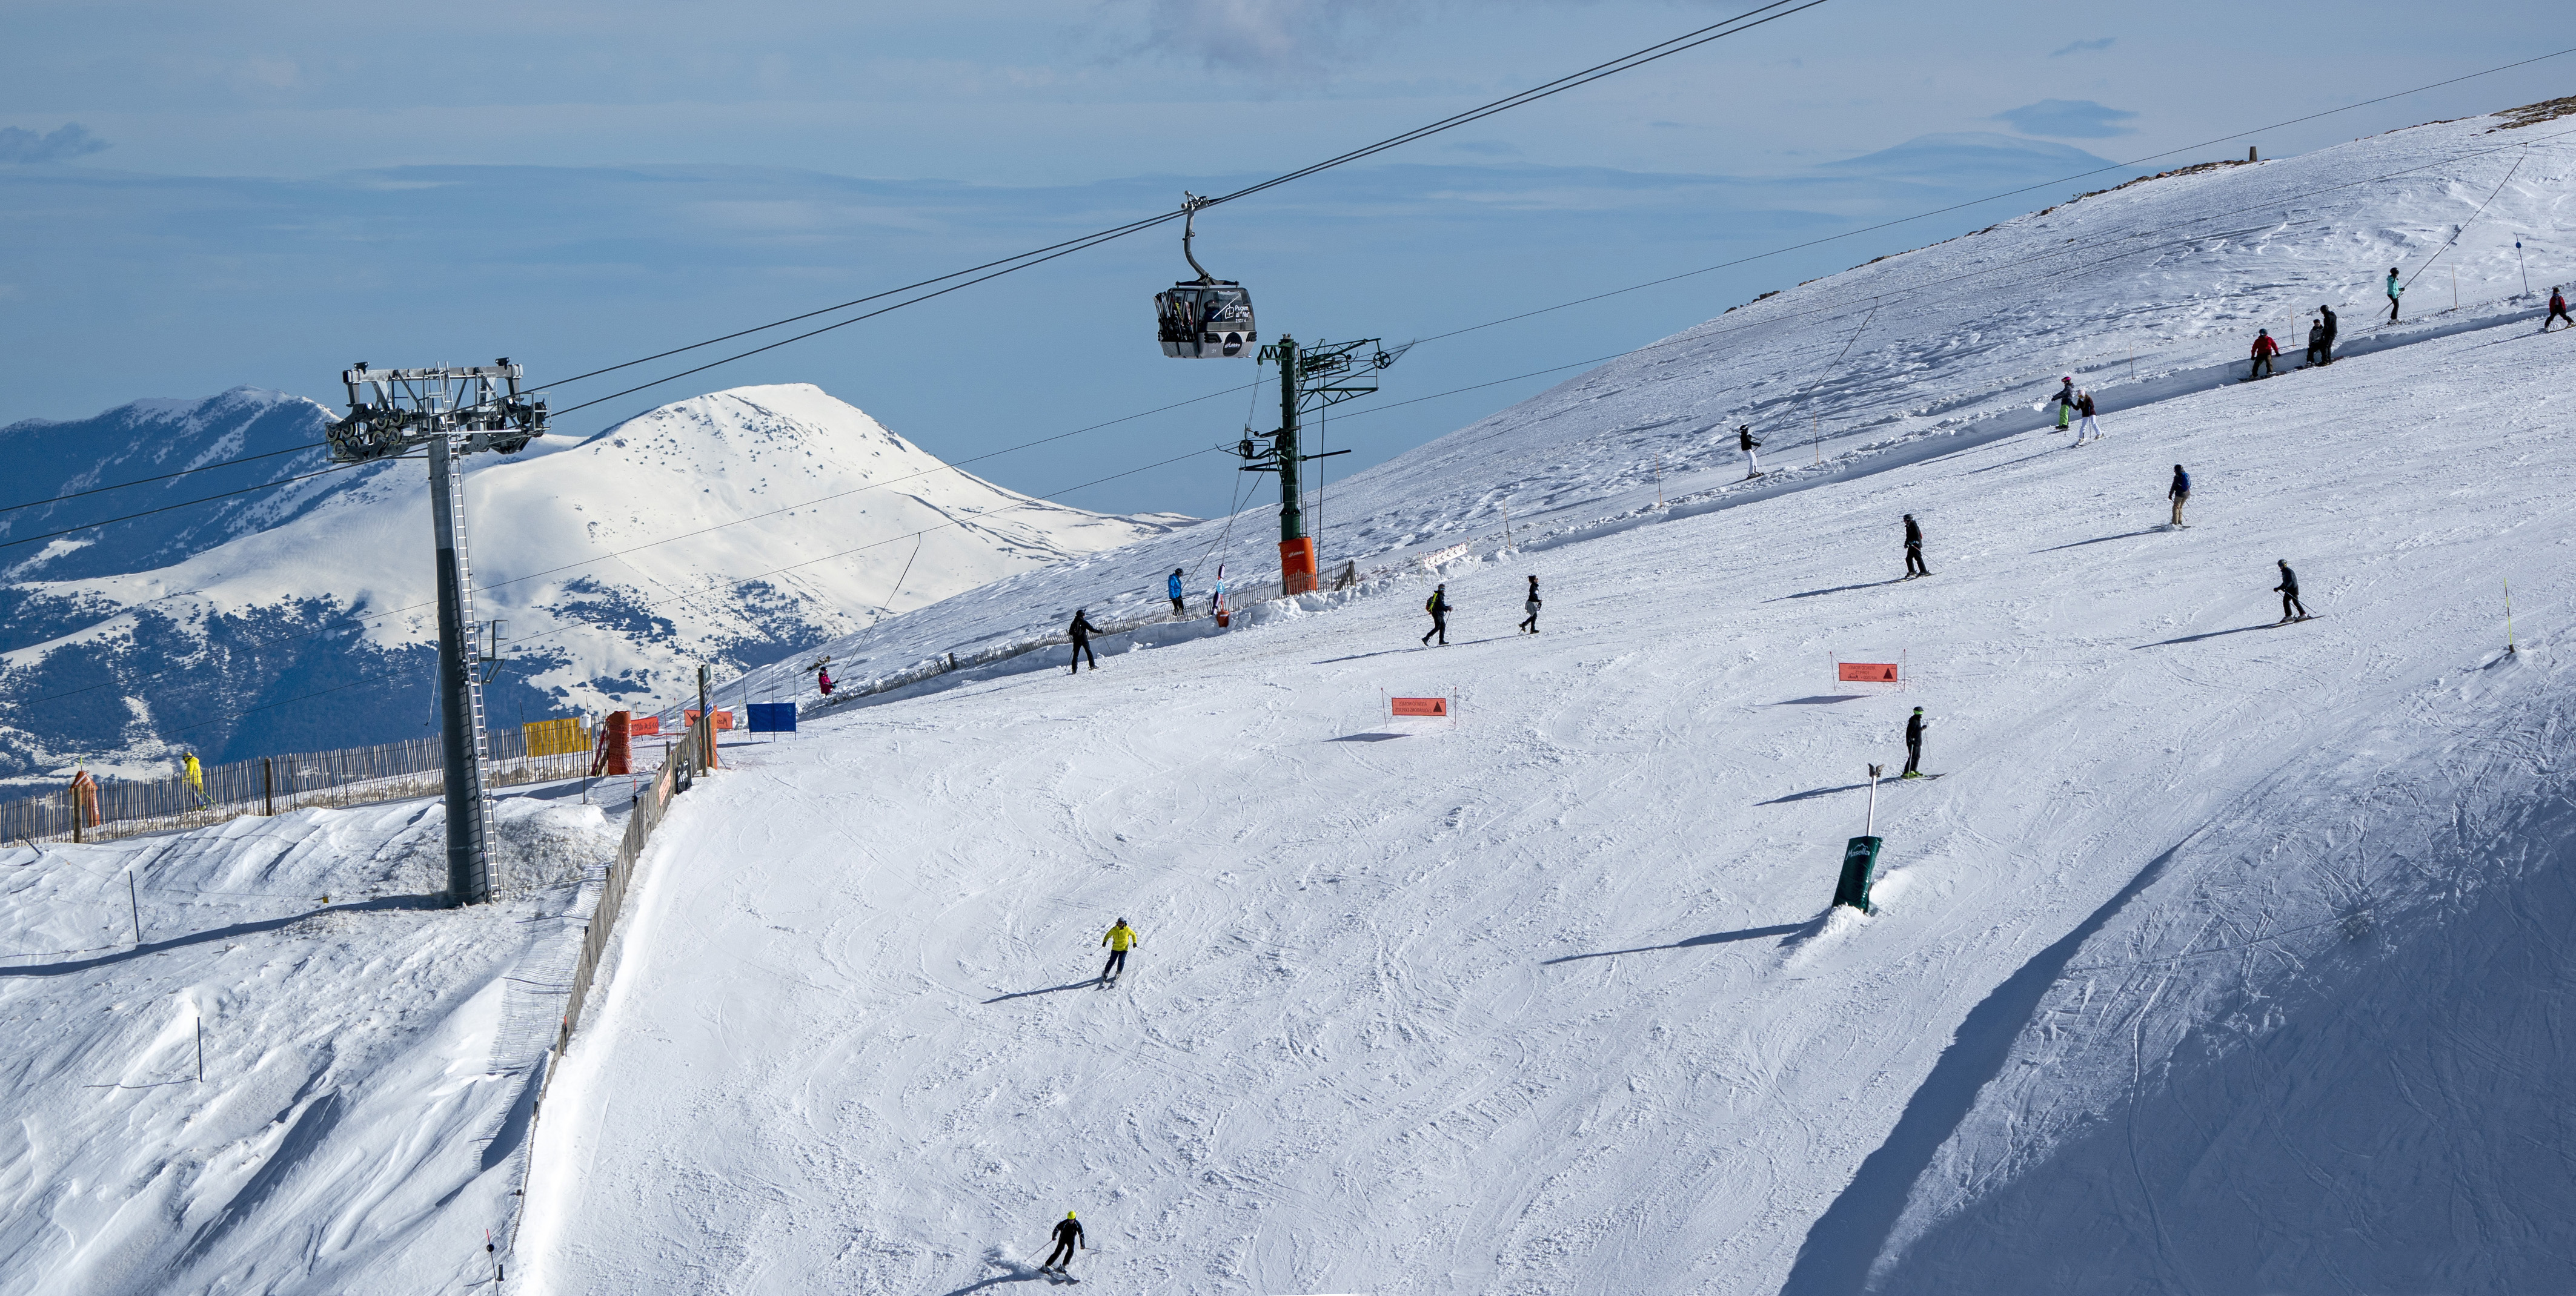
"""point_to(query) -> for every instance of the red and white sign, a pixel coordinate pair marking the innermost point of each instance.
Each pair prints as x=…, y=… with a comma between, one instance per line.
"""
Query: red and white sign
x=1437, y=707
x=1866, y=673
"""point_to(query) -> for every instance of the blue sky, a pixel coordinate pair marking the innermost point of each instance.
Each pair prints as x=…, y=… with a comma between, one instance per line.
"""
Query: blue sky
x=193, y=197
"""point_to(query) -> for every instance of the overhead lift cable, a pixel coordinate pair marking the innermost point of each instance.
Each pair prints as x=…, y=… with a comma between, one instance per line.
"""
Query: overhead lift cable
x=146, y=481
x=1507, y=319
x=990, y=270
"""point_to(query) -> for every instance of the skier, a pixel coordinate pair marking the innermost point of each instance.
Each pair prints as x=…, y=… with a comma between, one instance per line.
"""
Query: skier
x=2325, y=347
x=1082, y=630
x=2264, y=349
x=1172, y=588
x=2084, y=406
x=2288, y=589
x=1120, y=939
x=824, y=678
x=1216, y=597
x=1744, y=441
x=2179, y=492
x=2316, y=342
x=1068, y=1239
x=2557, y=311
x=1530, y=623
x=1914, y=727
x=2394, y=288
x=194, y=775
x=2065, y=399
x=1914, y=549
x=1438, y=606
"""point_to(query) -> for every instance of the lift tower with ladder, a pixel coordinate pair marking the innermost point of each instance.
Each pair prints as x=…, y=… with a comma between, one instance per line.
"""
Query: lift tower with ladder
x=1311, y=379
x=449, y=412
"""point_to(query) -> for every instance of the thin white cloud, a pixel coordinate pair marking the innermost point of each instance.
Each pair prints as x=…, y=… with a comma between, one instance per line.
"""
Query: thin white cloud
x=2083, y=46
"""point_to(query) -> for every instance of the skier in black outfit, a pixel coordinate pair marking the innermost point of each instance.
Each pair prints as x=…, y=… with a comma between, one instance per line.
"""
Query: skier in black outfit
x=2288, y=589
x=1530, y=623
x=1082, y=630
x=1914, y=550
x=2316, y=341
x=1068, y=1239
x=1914, y=728
x=1438, y=606
x=2325, y=345
x=1744, y=441
x=2179, y=492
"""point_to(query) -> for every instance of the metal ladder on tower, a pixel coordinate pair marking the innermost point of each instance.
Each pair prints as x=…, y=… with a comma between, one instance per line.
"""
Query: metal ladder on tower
x=473, y=649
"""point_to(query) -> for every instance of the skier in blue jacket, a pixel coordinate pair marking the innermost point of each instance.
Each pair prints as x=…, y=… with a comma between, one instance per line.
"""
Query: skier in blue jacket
x=1172, y=590
x=2394, y=288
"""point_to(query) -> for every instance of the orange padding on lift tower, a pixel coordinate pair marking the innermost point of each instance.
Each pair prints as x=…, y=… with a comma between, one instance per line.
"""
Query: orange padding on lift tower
x=1866, y=672
x=1438, y=706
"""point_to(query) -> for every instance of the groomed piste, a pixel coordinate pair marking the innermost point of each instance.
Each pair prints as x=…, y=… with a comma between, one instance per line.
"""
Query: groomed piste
x=2221, y=956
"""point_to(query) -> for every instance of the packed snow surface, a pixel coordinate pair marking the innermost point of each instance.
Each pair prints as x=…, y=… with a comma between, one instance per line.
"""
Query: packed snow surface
x=257, y=1058
x=2220, y=954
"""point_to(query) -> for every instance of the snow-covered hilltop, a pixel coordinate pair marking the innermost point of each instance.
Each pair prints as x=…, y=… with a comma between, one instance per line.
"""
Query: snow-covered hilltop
x=617, y=564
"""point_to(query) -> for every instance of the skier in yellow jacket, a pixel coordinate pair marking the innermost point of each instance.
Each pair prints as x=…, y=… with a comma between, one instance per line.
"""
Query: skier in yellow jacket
x=1120, y=939
x=195, y=777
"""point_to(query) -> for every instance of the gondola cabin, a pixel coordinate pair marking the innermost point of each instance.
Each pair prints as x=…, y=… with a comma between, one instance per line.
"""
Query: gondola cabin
x=1206, y=320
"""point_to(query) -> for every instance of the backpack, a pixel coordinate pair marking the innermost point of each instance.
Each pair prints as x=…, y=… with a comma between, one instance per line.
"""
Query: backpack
x=1432, y=604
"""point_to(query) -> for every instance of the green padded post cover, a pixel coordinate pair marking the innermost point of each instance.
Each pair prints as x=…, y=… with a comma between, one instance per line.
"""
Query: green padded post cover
x=1860, y=864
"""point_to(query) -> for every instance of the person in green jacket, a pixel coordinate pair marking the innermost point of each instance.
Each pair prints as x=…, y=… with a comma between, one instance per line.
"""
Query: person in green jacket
x=1121, y=938
x=2394, y=288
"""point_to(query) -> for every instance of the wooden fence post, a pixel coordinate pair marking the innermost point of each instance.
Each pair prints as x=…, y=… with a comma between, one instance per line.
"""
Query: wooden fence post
x=268, y=785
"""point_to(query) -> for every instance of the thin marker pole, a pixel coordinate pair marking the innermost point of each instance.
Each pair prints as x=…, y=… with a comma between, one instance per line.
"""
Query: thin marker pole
x=2508, y=619
x=135, y=905
x=201, y=1048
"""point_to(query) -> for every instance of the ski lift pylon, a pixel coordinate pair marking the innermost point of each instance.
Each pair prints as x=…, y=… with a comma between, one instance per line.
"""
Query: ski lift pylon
x=1206, y=318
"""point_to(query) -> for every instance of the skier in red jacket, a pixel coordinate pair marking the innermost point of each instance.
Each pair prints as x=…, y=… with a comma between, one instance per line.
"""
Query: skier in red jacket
x=2557, y=311
x=2264, y=349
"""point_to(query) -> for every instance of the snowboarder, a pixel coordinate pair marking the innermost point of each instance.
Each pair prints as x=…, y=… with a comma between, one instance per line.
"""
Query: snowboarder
x=2325, y=347
x=1914, y=549
x=2288, y=589
x=1172, y=589
x=2084, y=407
x=2394, y=288
x=2065, y=399
x=2316, y=342
x=1068, y=1239
x=194, y=775
x=2179, y=492
x=1530, y=623
x=2557, y=311
x=1120, y=939
x=1744, y=441
x=1438, y=606
x=1082, y=630
x=1914, y=727
x=2264, y=349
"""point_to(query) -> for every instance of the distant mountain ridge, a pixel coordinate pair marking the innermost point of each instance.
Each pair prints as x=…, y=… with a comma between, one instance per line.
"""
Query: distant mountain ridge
x=300, y=617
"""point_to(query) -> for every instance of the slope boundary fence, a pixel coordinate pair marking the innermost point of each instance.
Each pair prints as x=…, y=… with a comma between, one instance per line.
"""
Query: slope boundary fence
x=105, y=809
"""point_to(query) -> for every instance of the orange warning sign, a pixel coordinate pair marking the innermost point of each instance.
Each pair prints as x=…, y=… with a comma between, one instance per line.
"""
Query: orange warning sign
x=1865, y=672
x=1431, y=706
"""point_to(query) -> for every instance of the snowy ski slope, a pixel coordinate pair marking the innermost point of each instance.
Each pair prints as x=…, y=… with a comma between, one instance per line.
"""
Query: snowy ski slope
x=2143, y=293
x=2220, y=956
x=370, y=1062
